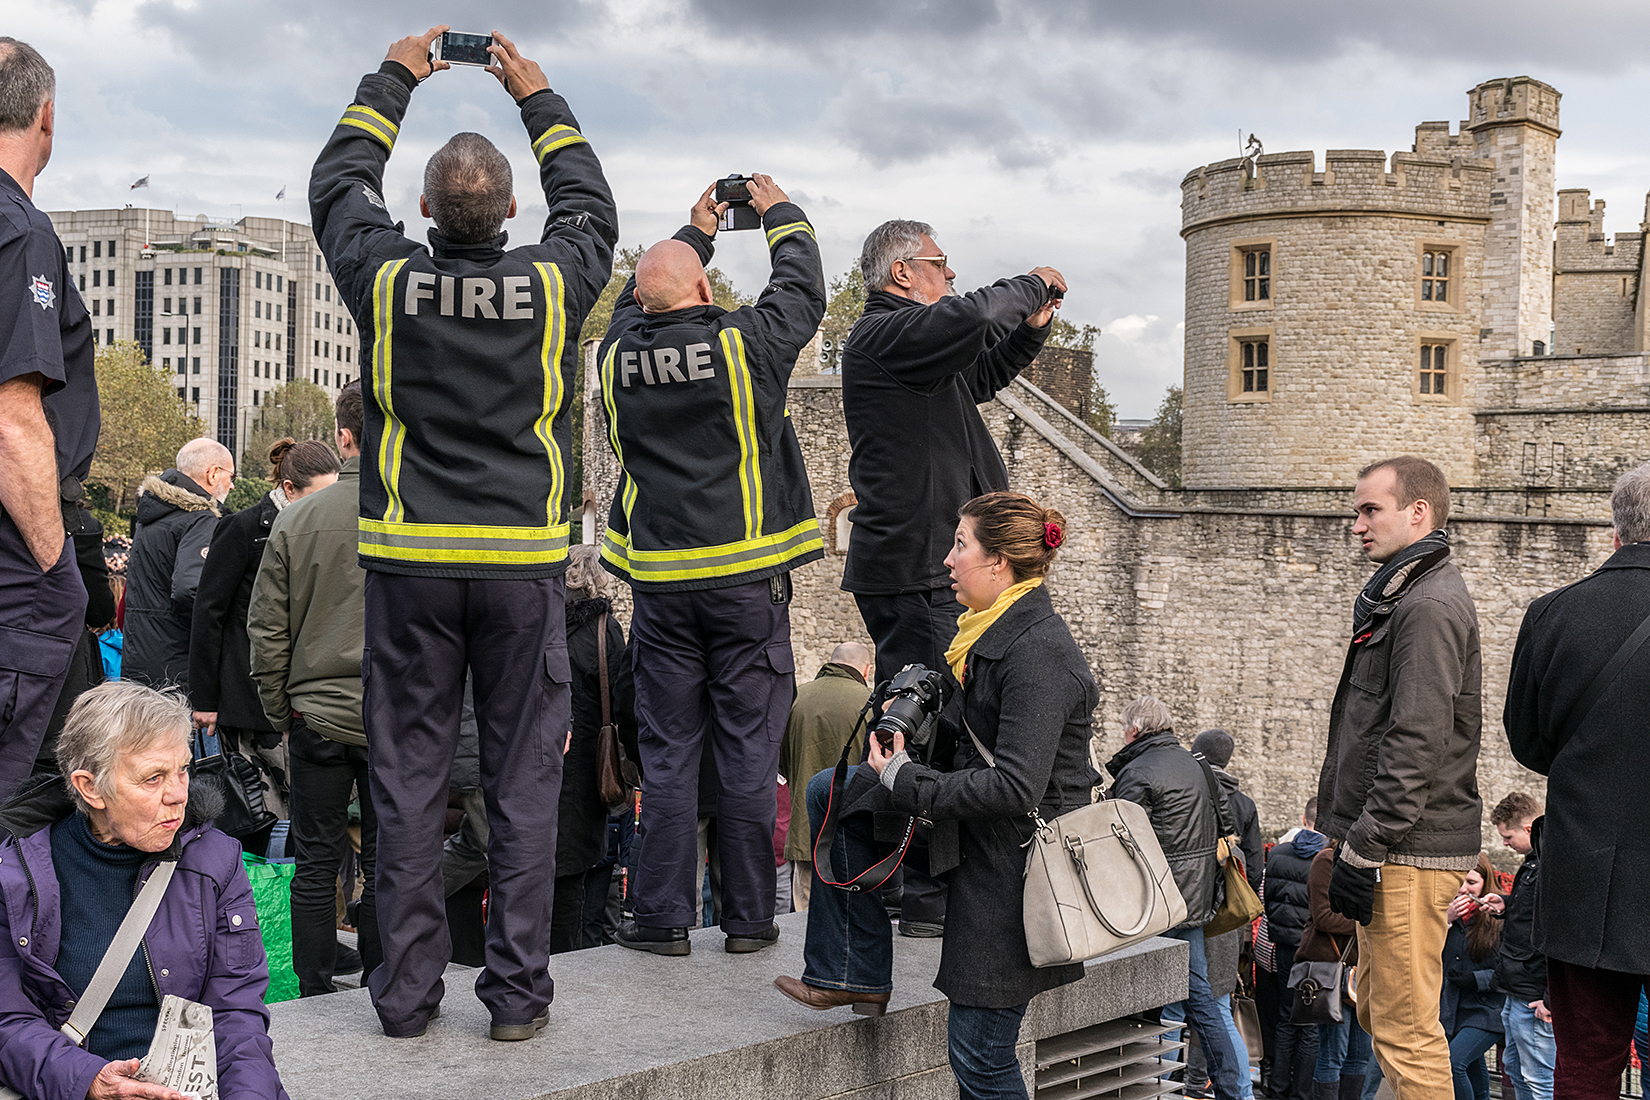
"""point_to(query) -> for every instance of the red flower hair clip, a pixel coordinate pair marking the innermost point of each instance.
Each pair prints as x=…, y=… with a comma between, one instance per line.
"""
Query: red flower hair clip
x=1053, y=536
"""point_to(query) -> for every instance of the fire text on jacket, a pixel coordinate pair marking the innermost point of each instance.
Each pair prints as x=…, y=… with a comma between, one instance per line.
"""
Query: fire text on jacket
x=663, y=365
x=473, y=296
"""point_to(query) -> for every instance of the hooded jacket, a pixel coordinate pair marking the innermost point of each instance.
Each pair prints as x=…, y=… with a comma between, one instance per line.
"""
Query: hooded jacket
x=220, y=676
x=913, y=376
x=1400, y=776
x=170, y=538
x=203, y=945
x=306, y=617
x=1288, y=905
x=1246, y=816
x=1157, y=772
x=470, y=351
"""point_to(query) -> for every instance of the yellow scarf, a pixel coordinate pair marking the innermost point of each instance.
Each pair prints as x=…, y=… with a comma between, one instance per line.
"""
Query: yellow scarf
x=971, y=624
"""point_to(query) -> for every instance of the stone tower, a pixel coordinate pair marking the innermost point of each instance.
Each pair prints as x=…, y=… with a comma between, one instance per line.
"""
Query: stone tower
x=1514, y=124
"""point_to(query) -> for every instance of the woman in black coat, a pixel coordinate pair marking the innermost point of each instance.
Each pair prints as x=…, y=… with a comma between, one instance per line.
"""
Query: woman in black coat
x=220, y=653
x=1028, y=698
x=581, y=831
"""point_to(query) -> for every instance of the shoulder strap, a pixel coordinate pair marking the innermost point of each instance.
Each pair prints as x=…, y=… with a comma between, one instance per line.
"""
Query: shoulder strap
x=601, y=668
x=985, y=753
x=1215, y=797
x=115, y=960
x=1606, y=676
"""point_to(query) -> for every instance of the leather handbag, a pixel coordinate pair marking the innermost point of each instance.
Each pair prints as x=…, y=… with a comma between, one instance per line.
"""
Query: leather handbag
x=244, y=813
x=1241, y=906
x=616, y=778
x=1320, y=989
x=1095, y=881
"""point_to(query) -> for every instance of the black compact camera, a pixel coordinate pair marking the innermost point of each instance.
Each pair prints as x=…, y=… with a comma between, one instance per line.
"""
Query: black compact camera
x=1055, y=294
x=740, y=214
x=913, y=697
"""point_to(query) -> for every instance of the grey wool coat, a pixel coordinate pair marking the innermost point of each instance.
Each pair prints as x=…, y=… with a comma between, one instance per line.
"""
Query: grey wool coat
x=1029, y=697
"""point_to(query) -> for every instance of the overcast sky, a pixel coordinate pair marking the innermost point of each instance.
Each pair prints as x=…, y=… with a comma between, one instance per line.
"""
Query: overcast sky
x=1027, y=131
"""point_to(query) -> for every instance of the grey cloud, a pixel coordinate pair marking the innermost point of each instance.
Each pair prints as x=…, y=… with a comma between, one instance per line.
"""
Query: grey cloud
x=908, y=124
x=784, y=20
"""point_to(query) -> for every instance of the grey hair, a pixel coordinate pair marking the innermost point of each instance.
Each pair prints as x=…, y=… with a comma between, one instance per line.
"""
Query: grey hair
x=1630, y=505
x=585, y=572
x=890, y=241
x=116, y=717
x=467, y=185
x=196, y=455
x=26, y=83
x=1147, y=715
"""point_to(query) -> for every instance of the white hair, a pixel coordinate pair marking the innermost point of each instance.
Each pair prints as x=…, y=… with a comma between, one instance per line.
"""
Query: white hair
x=114, y=718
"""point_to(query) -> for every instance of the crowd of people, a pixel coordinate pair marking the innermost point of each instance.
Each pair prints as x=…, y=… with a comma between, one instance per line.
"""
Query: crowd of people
x=401, y=626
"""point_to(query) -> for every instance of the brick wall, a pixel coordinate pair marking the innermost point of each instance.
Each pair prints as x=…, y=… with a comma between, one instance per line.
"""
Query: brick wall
x=1065, y=374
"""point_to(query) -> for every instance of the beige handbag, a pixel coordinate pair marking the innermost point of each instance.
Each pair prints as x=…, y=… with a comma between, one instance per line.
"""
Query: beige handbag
x=1096, y=881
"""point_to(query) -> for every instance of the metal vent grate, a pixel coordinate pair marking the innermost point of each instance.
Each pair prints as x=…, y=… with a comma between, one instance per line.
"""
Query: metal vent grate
x=1120, y=1060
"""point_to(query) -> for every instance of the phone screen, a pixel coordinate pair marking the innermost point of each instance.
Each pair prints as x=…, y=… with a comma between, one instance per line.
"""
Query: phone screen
x=466, y=49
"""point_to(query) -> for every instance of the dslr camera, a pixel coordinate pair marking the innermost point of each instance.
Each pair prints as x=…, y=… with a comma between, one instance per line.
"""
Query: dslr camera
x=740, y=214
x=914, y=698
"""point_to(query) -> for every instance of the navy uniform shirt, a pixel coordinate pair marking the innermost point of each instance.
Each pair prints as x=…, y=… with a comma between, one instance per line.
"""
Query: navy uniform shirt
x=44, y=327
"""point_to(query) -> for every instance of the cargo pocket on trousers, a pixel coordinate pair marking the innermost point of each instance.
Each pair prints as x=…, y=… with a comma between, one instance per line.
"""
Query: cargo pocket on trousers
x=558, y=671
x=29, y=662
x=783, y=662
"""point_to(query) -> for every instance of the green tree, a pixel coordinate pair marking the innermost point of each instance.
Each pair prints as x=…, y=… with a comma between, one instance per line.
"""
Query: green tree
x=1102, y=413
x=249, y=489
x=844, y=303
x=145, y=422
x=298, y=409
x=1159, y=446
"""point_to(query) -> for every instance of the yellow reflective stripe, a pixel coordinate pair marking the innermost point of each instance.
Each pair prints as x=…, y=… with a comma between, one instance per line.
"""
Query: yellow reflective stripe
x=555, y=332
x=627, y=486
x=365, y=118
x=780, y=232
x=557, y=137
x=729, y=559
x=395, y=432
x=446, y=542
x=744, y=422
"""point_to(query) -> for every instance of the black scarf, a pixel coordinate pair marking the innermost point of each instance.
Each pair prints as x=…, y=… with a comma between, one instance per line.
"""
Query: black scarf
x=1394, y=579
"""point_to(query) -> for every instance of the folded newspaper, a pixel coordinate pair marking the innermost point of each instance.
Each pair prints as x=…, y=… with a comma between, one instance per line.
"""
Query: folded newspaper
x=182, y=1055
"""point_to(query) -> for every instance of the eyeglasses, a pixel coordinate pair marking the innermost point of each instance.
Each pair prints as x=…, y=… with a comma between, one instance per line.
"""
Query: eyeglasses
x=940, y=259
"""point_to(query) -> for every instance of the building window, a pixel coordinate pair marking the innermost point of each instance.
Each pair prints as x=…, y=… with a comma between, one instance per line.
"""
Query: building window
x=166, y=304
x=168, y=281
x=1435, y=276
x=167, y=363
x=257, y=309
x=195, y=368
x=97, y=307
x=1256, y=366
x=329, y=294
x=111, y=250
x=258, y=280
x=111, y=272
x=195, y=394
x=317, y=319
x=97, y=276
x=197, y=301
x=197, y=283
x=181, y=391
x=197, y=336
x=317, y=290
x=1434, y=368
x=277, y=287
x=1249, y=365
x=1257, y=275
x=82, y=253
x=97, y=250
x=109, y=335
x=317, y=268
x=83, y=282
x=166, y=336
x=111, y=310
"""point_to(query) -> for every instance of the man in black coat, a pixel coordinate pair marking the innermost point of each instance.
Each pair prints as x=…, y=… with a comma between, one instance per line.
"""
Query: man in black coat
x=1155, y=770
x=177, y=514
x=1594, y=902
x=1287, y=912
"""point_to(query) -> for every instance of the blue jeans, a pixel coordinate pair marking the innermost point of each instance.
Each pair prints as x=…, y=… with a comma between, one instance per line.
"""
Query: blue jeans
x=1531, y=1052
x=1343, y=1048
x=1177, y=1013
x=850, y=942
x=1205, y=1014
x=1466, y=1061
x=981, y=1045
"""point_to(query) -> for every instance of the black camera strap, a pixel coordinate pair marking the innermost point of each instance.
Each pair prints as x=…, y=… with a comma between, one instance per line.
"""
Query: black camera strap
x=878, y=873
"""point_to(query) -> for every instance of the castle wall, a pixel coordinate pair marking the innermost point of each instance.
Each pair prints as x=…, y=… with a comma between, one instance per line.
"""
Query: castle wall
x=1595, y=282
x=1346, y=324
x=1553, y=382
x=1065, y=374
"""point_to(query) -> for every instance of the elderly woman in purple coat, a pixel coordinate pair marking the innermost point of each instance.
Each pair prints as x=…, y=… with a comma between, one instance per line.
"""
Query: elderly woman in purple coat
x=81, y=845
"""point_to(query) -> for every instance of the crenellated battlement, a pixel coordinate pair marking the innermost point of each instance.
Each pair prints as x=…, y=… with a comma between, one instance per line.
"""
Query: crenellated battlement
x=1580, y=244
x=1513, y=101
x=1426, y=184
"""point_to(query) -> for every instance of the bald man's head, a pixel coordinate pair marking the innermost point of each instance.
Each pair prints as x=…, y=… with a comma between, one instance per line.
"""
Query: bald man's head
x=208, y=464
x=669, y=277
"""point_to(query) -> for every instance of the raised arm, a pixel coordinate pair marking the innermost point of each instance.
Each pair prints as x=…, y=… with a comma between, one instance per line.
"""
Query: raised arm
x=346, y=187
x=793, y=303
x=583, y=224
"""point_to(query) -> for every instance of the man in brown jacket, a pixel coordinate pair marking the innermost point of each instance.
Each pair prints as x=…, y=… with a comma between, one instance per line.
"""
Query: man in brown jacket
x=1399, y=785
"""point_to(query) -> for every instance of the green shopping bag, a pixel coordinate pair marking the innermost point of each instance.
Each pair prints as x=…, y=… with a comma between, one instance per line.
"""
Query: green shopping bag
x=272, y=891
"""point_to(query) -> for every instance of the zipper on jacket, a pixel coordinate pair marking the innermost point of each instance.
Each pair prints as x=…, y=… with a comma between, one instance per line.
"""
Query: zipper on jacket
x=34, y=894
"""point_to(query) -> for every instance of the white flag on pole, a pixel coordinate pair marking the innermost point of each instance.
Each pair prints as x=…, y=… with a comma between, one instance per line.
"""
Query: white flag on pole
x=144, y=182
x=281, y=195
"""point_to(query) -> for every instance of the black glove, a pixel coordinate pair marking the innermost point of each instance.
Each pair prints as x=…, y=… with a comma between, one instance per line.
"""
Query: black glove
x=1464, y=980
x=1352, y=891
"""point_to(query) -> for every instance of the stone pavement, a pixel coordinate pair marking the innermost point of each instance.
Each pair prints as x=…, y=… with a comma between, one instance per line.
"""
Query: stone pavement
x=632, y=1026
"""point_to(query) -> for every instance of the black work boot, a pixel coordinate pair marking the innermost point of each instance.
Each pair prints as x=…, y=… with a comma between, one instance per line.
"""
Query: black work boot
x=660, y=941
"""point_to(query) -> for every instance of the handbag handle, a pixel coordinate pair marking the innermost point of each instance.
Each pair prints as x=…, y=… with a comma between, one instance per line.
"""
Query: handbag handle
x=1074, y=848
x=601, y=668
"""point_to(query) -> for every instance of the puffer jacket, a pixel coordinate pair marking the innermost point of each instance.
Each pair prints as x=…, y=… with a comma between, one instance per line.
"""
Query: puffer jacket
x=1156, y=771
x=1400, y=777
x=1288, y=906
x=203, y=945
x=170, y=538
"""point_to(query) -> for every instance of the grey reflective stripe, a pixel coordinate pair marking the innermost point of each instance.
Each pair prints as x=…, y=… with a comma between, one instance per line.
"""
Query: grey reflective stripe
x=495, y=543
x=692, y=560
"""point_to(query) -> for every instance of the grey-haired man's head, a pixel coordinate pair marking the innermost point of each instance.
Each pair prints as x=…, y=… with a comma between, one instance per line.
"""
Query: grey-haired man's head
x=468, y=190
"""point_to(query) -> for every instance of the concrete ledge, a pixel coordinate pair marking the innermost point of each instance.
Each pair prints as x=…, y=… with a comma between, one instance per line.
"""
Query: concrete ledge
x=631, y=1026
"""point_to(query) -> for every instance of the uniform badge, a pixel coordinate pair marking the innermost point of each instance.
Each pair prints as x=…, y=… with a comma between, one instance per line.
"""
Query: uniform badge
x=41, y=288
x=372, y=197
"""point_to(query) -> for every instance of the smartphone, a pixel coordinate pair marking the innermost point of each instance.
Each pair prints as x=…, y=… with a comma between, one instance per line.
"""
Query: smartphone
x=459, y=48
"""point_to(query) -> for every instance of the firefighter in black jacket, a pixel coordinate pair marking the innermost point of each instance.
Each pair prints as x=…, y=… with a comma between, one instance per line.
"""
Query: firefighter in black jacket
x=712, y=513
x=463, y=511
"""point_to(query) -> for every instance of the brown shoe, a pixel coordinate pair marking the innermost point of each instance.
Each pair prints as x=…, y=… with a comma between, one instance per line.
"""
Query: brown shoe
x=865, y=1004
